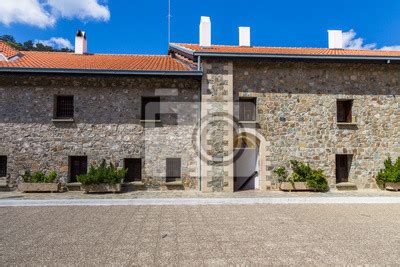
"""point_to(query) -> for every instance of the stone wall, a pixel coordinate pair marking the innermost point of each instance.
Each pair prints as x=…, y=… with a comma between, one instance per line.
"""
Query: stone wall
x=217, y=130
x=296, y=105
x=106, y=124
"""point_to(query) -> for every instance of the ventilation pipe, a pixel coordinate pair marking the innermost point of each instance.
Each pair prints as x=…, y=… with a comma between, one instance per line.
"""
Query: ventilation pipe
x=80, y=43
x=205, y=32
x=335, y=39
x=244, y=36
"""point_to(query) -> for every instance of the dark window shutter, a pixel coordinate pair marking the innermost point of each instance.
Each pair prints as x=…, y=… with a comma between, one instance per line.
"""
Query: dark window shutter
x=344, y=111
x=3, y=166
x=173, y=170
x=134, y=167
x=247, y=109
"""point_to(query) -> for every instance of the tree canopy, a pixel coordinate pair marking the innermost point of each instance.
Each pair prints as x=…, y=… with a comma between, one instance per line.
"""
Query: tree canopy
x=30, y=45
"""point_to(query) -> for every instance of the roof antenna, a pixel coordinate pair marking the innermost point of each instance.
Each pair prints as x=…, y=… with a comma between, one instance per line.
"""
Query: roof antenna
x=169, y=22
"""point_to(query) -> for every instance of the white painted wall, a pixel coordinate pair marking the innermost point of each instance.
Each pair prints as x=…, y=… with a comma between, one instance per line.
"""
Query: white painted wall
x=335, y=39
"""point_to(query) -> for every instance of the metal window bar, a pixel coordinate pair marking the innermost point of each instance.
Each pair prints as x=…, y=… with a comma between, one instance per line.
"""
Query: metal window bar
x=65, y=107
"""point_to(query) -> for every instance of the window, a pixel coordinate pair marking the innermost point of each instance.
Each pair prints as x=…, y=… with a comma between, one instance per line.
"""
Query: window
x=77, y=166
x=344, y=111
x=134, y=167
x=173, y=169
x=343, y=165
x=151, y=108
x=247, y=109
x=64, y=107
x=3, y=166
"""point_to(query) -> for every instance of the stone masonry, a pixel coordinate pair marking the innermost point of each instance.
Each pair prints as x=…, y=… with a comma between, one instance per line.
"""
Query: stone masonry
x=106, y=124
x=296, y=105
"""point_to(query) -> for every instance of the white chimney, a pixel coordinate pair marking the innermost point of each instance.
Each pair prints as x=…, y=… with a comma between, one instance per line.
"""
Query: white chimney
x=80, y=42
x=205, y=32
x=244, y=36
x=335, y=39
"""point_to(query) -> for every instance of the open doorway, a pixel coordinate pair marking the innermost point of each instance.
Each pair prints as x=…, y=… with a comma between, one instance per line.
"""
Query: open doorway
x=246, y=166
x=343, y=166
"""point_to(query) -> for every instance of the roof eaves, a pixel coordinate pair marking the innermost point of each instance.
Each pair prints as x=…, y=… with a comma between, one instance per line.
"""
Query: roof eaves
x=109, y=72
x=295, y=56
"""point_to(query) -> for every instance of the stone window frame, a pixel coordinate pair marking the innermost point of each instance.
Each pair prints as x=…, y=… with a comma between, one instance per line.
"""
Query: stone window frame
x=57, y=118
x=175, y=174
x=248, y=99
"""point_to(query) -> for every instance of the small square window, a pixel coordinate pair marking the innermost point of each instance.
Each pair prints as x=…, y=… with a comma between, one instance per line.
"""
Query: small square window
x=64, y=107
x=3, y=166
x=344, y=111
x=173, y=171
x=151, y=108
x=247, y=109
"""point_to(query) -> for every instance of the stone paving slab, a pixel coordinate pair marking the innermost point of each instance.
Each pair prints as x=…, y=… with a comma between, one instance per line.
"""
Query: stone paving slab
x=200, y=235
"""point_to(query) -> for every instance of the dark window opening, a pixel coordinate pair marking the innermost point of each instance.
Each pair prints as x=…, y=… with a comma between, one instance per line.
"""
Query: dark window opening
x=344, y=111
x=78, y=165
x=151, y=108
x=3, y=166
x=173, y=171
x=343, y=166
x=248, y=109
x=134, y=167
x=64, y=107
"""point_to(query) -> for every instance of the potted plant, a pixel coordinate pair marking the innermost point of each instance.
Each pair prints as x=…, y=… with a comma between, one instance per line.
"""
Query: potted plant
x=303, y=178
x=389, y=177
x=39, y=182
x=102, y=179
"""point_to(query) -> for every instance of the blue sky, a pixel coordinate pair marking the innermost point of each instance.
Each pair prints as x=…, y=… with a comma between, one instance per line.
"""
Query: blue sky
x=132, y=26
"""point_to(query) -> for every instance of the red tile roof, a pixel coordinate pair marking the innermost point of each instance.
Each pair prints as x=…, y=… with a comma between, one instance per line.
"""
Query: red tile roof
x=195, y=48
x=71, y=61
x=7, y=50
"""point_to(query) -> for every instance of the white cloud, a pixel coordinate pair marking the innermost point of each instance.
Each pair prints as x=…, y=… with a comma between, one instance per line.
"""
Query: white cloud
x=45, y=13
x=81, y=9
x=56, y=42
x=351, y=42
x=29, y=12
x=391, y=48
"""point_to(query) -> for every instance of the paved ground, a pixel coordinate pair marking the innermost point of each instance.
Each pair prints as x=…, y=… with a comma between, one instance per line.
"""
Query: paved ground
x=195, y=194
x=200, y=235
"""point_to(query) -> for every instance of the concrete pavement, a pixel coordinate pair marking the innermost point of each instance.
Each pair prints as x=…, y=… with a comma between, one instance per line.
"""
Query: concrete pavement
x=200, y=234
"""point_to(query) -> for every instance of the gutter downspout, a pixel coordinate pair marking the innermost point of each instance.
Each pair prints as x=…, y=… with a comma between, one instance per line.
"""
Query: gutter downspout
x=199, y=68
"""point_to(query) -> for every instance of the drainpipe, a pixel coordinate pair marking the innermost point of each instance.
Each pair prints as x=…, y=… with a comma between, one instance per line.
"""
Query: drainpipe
x=200, y=103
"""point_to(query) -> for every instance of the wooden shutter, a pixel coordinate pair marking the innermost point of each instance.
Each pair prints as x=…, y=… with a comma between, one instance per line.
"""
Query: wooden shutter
x=247, y=109
x=344, y=111
x=3, y=166
x=173, y=170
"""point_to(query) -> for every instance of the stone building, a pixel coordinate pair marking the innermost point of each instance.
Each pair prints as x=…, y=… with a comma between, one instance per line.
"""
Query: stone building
x=204, y=117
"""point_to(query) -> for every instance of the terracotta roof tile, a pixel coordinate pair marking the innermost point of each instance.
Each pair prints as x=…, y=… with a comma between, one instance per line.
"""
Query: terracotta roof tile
x=7, y=50
x=64, y=60
x=288, y=51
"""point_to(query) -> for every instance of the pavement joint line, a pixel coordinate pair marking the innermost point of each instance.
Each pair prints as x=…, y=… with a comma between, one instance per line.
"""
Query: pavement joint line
x=199, y=201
